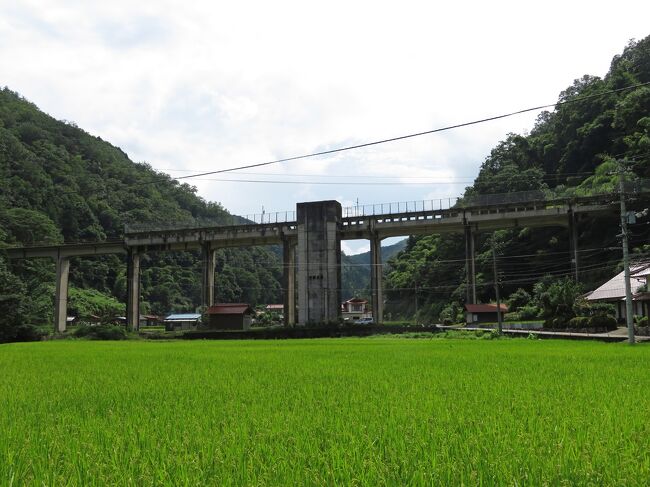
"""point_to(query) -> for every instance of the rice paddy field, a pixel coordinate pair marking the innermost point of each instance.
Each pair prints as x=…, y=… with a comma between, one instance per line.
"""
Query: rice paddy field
x=382, y=411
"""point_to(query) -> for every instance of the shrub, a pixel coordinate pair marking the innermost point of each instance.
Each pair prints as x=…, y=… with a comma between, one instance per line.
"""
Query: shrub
x=642, y=321
x=102, y=332
x=529, y=312
x=603, y=321
x=514, y=316
x=518, y=299
x=28, y=333
x=452, y=313
x=580, y=322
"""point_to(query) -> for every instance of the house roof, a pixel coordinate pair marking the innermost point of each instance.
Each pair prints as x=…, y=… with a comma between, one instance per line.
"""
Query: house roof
x=184, y=317
x=485, y=308
x=614, y=289
x=230, y=309
x=356, y=300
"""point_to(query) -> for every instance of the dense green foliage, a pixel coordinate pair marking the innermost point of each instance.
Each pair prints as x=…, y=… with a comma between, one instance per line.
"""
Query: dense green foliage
x=60, y=184
x=355, y=274
x=570, y=151
x=382, y=411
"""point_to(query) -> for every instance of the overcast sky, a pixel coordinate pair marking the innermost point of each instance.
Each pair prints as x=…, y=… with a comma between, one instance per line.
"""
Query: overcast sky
x=195, y=86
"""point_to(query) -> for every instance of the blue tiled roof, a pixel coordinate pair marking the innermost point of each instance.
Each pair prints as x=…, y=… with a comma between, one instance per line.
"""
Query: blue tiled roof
x=186, y=316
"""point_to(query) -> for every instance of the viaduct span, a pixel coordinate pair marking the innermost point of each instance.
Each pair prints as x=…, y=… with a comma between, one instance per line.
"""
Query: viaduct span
x=311, y=240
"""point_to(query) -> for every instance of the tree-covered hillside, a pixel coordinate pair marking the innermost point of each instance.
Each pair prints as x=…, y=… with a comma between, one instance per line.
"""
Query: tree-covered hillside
x=355, y=274
x=60, y=184
x=570, y=151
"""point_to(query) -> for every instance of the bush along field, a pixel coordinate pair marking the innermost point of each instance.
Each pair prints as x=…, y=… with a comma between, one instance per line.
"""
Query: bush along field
x=323, y=412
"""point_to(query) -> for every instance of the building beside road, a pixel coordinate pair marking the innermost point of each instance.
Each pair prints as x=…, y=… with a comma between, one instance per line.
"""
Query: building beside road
x=230, y=316
x=613, y=291
x=483, y=313
x=354, y=309
x=184, y=321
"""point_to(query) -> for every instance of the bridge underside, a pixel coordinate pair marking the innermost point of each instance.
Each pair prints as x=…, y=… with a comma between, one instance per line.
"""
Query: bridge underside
x=312, y=249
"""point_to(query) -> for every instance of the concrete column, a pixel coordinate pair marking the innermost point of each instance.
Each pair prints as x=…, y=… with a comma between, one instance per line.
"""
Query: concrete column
x=289, y=281
x=472, y=254
x=319, y=262
x=61, y=296
x=133, y=290
x=376, y=280
x=207, y=269
x=470, y=265
x=573, y=244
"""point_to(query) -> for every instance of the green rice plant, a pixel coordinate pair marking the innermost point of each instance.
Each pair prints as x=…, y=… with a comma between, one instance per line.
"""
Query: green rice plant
x=355, y=411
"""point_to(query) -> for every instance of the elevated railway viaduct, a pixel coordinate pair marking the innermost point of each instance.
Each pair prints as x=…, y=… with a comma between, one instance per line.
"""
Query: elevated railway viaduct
x=311, y=239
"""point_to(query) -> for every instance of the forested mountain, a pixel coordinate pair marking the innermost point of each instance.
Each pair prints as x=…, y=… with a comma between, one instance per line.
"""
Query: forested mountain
x=60, y=184
x=571, y=150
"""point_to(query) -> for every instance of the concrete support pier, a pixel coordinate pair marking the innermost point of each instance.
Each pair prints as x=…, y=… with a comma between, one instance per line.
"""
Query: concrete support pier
x=133, y=290
x=376, y=280
x=207, y=269
x=61, y=296
x=573, y=243
x=319, y=262
x=470, y=265
x=289, y=281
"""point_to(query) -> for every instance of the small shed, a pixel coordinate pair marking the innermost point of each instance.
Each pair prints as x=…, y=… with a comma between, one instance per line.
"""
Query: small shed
x=185, y=321
x=483, y=313
x=275, y=308
x=230, y=316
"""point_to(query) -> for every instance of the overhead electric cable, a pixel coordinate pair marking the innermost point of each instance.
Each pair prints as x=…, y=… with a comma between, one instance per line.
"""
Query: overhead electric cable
x=417, y=134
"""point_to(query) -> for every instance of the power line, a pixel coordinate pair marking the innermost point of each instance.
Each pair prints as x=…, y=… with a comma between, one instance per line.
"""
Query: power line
x=168, y=178
x=417, y=134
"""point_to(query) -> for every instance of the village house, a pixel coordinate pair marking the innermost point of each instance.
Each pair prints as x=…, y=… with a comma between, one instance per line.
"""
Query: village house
x=483, y=313
x=184, y=321
x=355, y=309
x=230, y=316
x=613, y=291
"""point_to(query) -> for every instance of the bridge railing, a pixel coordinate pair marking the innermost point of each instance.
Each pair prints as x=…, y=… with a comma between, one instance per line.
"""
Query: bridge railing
x=537, y=197
x=399, y=207
x=264, y=218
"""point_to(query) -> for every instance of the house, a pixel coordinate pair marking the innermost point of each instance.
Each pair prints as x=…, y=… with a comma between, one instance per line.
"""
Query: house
x=149, y=320
x=483, y=313
x=613, y=291
x=186, y=321
x=275, y=308
x=354, y=309
x=230, y=316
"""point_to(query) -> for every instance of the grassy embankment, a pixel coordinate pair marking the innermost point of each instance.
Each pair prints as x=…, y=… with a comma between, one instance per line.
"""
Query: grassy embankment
x=324, y=411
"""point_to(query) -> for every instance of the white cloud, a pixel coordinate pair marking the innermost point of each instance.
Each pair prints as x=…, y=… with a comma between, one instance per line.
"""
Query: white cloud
x=210, y=85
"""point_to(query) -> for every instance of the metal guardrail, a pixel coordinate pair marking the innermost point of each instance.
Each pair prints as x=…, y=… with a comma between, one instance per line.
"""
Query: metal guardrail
x=225, y=221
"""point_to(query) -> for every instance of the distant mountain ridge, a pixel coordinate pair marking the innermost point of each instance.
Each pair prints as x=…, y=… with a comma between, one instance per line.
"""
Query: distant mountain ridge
x=355, y=279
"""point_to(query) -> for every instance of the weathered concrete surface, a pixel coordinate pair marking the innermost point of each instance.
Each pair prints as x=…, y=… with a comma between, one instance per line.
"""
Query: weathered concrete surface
x=319, y=262
x=61, y=294
x=376, y=280
x=289, y=281
x=207, y=271
x=133, y=290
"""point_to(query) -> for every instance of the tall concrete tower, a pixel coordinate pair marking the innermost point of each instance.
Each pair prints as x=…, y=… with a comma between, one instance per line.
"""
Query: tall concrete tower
x=319, y=262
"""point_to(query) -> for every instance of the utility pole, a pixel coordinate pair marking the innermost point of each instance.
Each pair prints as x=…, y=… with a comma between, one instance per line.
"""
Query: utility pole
x=629, y=318
x=416, y=302
x=496, y=288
